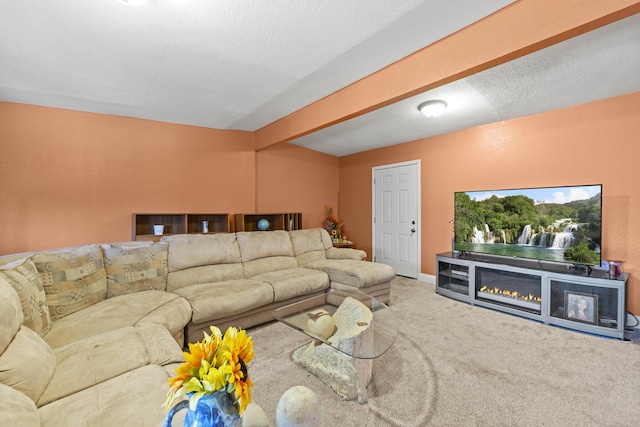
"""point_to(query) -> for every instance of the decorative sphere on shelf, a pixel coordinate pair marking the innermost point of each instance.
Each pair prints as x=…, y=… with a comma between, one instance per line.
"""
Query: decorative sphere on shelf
x=263, y=224
x=298, y=407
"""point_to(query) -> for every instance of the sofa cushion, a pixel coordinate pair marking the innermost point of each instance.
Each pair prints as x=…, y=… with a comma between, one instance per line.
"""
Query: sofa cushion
x=265, y=251
x=136, y=268
x=204, y=274
x=359, y=274
x=211, y=301
x=16, y=409
x=194, y=250
x=314, y=244
x=72, y=280
x=131, y=399
x=307, y=240
x=160, y=307
x=307, y=245
x=264, y=244
x=27, y=363
x=294, y=282
x=92, y=360
x=24, y=278
x=266, y=265
x=11, y=315
x=346, y=253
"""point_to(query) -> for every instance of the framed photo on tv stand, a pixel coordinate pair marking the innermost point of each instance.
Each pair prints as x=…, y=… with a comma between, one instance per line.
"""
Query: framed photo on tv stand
x=581, y=307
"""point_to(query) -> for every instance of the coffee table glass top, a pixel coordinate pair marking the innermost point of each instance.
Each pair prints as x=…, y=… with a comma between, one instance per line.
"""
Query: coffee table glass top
x=384, y=324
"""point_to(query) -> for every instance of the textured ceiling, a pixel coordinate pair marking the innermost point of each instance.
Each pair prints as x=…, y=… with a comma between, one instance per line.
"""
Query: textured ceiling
x=240, y=64
x=226, y=64
x=597, y=65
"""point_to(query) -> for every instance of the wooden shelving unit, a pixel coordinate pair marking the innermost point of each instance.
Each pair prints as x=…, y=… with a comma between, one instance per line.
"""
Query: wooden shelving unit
x=277, y=221
x=181, y=223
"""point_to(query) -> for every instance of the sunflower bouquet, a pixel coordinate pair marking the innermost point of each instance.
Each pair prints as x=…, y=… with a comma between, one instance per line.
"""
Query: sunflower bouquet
x=218, y=362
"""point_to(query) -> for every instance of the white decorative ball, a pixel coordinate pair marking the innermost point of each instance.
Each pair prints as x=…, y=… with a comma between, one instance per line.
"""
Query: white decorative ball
x=298, y=407
x=254, y=416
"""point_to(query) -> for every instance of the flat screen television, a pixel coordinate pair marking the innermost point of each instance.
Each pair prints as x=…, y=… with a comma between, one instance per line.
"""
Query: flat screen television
x=560, y=224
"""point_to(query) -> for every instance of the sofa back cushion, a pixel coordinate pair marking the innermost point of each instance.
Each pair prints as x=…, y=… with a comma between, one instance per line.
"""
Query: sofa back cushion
x=11, y=315
x=26, y=361
x=202, y=258
x=72, y=280
x=265, y=251
x=135, y=267
x=308, y=245
x=23, y=276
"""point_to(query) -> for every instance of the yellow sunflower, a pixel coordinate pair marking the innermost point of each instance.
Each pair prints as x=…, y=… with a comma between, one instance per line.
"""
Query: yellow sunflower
x=217, y=362
x=238, y=349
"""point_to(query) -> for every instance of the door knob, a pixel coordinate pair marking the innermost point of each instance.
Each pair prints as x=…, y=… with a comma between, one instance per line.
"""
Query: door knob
x=413, y=230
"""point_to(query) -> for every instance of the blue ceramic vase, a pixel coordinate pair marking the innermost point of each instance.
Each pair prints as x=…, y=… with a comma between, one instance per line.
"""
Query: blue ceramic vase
x=213, y=410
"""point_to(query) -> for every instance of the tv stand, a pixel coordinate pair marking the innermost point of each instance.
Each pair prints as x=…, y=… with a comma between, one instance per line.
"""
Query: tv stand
x=580, y=268
x=575, y=297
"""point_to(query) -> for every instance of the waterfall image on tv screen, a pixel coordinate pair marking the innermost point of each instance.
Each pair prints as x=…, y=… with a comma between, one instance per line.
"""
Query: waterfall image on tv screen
x=553, y=223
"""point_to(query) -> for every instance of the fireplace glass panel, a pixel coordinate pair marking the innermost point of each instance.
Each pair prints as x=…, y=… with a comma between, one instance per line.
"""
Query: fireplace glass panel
x=585, y=304
x=516, y=290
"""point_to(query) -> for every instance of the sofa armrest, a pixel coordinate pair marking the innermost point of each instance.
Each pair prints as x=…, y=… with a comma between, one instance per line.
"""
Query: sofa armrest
x=17, y=408
x=346, y=253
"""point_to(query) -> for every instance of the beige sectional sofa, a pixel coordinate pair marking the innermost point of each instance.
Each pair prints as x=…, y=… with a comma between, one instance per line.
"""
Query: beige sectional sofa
x=90, y=335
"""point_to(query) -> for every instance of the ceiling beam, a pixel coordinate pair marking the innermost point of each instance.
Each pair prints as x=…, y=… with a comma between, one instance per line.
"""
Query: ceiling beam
x=521, y=28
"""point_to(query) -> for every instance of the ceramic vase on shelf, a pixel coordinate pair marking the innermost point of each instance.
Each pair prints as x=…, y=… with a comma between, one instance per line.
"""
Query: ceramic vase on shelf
x=213, y=410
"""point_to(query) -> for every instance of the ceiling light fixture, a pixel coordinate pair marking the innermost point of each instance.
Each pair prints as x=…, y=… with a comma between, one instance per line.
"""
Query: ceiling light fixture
x=132, y=2
x=432, y=108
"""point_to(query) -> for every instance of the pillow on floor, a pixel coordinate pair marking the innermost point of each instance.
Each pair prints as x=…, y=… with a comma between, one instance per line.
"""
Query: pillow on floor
x=72, y=280
x=135, y=268
x=23, y=276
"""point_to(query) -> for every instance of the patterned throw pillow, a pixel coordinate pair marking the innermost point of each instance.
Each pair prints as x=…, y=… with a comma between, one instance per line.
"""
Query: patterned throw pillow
x=23, y=276
x=135, y=268
x=72, y=280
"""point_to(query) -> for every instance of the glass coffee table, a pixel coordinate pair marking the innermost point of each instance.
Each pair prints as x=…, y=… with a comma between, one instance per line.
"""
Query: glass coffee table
x=333, y=358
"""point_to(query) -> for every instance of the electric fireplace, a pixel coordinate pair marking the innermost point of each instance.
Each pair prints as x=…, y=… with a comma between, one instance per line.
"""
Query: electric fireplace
x=522, y=291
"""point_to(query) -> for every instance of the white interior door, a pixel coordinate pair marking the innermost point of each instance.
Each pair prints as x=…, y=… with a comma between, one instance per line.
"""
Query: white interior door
x=396, y=230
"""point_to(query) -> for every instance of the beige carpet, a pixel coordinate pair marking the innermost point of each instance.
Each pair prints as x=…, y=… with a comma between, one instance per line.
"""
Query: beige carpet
x=458, y=365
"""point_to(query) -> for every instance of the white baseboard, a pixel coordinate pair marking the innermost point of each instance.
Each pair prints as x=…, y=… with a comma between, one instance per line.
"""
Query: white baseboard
x=429, y=278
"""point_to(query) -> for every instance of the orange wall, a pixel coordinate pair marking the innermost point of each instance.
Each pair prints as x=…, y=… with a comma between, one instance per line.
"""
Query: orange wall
x=589, y=144
x=296, y=179
x=69, y=178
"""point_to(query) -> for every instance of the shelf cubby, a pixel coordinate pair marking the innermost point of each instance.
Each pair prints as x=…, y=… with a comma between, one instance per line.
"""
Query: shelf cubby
x=180, y=223
x=277, y=221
